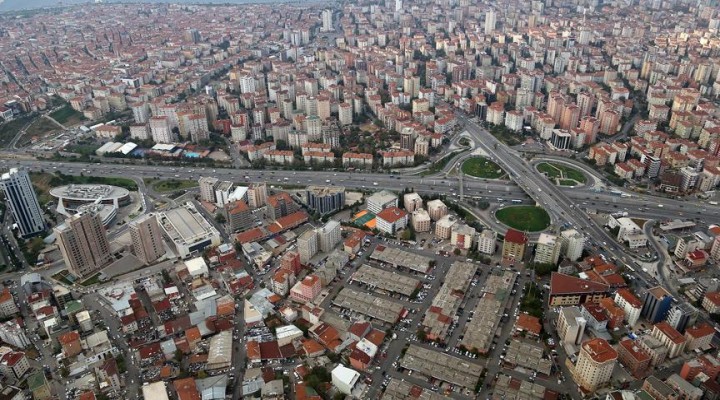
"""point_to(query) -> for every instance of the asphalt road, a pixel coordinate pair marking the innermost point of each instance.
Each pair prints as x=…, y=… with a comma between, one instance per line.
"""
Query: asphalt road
x=555, y=199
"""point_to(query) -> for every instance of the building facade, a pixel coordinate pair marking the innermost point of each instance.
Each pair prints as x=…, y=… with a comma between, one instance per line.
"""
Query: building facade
x=83, y=243
x=147, y=240
x=23, y=202
x=595, y=364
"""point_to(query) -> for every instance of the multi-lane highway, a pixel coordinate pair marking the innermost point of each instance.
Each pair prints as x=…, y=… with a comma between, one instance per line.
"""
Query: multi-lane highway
x=559, y=202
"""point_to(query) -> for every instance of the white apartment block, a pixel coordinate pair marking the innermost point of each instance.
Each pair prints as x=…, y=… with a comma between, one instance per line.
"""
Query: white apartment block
x=486, y=241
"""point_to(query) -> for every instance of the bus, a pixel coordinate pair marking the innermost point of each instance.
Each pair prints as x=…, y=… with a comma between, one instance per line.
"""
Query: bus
x=516, y=201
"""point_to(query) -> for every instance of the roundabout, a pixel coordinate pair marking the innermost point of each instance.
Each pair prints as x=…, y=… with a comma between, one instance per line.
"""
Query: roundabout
x=524, y=218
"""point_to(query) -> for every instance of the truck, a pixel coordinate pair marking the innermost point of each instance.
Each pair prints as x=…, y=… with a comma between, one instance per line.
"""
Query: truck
x=713, y=203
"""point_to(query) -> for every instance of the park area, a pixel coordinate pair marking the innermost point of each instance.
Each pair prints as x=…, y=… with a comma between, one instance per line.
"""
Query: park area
x=481, y=167
x=67, y=116
x=171, y=185
x=562, y=175
x=524, y=218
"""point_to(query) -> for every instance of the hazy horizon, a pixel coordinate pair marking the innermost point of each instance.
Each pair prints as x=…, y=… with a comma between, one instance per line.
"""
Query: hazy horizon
x=19, y=5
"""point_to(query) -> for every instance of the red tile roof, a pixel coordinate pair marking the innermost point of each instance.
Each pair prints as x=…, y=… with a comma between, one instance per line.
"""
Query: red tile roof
x=250, y=235
x=528, y=323
x=514, y=236
x=565, y=284
x=67, y=338
x=270, y=350
x=635, y=352
x=629, y=297
x=391, y=214
x=714, y=297
x=186, y=389
x=701, y=330
x=237, y=207
x=670, y=332
x=599, y=350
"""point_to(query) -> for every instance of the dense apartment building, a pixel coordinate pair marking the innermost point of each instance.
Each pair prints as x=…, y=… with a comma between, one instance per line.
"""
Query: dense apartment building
x=23, y=202
x=147, y=239
x=83, y=243
x=595, y=364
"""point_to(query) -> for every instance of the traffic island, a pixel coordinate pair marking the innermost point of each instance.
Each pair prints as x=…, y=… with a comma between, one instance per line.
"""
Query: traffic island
x=524, y=218
x=562, y=175
x=481, y=167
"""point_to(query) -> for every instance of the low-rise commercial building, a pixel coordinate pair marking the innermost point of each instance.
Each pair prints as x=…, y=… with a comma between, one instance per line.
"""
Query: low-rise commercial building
x=187, y=230
x=401, y=258
x=566, y=290
x=440, y=315
x=383, y=310
x=388, y=282
x=380, y=201
x=390, y=220
x=442, y=366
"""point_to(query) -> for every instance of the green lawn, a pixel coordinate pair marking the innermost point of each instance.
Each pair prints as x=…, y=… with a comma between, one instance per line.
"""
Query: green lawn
x=567, y=182
x=40, y=127
x=524, y=218
x=91, y=280
x=532, y=302
x=8, y=130
x=83, y=149
x=555, y=170
x=173, y=184
x=63, y=276
x=67, y=116
x=481, y=167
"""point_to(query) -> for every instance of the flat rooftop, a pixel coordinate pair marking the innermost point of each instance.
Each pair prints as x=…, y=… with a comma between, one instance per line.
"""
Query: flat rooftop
x=401, y=258
x=447, y=301
x=89, y=193
x=507, y=387
x=185, y=225
x=386, y=280
x=367, y=304
x=480, y=330
x=403, y=390
x=528, y=355
x=442, y=366
x=325, y=190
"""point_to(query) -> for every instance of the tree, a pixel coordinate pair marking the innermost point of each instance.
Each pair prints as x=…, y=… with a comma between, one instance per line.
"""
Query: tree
x=281, y=145
x=220, y=219
x=421, y=335
x=457, y=252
